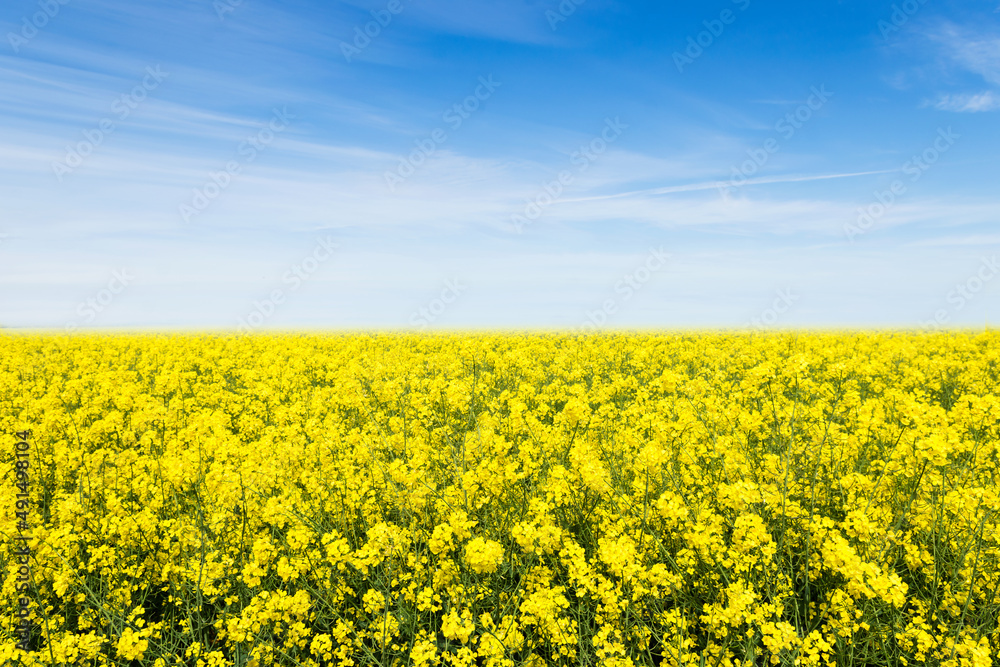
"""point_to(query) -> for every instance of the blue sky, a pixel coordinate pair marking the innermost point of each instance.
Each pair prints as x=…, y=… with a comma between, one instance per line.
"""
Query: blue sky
x=266, y=165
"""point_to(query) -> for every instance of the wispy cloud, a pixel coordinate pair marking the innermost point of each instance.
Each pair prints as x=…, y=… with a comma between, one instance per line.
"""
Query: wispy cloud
x=715, y=185
x=961, y=50
x=975, y=51
x=976, y=240
x=985, y=101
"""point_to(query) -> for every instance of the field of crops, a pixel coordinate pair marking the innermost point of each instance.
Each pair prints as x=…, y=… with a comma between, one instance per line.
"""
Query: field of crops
x=501, y=499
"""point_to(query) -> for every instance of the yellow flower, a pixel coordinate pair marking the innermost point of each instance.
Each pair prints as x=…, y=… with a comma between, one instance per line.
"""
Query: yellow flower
x=131, y=645
x=441, y=539
x=457, y=627
x=423, y=653
x=483, y=556
x=322, y=647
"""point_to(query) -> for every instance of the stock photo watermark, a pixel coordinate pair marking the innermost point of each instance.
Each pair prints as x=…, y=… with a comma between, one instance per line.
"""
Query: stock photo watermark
x=31, y=25
x=696, y=44
x=218, y=181
x=223, y=7
x=454, y=116
x=22, y=550
x=915, y=168
x=782, y=304
x=297, y=275
x=122, y=108
x=581, y=158
x=562, y=12
x=964, y=292
x=900, y=15
x=364, y=34
x=786, y=127
x=627, y=287
x=426, y=315
x=90, y=308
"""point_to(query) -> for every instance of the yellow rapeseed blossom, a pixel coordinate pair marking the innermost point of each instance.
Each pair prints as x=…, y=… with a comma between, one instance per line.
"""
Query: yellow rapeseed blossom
x=643, y=499
x=483, y=556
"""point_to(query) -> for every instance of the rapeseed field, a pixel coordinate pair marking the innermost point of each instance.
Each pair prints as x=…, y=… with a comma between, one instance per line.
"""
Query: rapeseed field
x=793, y=498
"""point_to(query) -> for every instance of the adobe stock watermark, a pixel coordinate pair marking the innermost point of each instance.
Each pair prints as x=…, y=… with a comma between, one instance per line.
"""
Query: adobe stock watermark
x=900, y=15
x=582, y=158
x=223, y=7
x=768, y=317
x=122, y=107
x=31, y=25
x=714, y=28
x=25, y=585
x=627, y=287
x=915, y=167
x=90, y=308
x=786, y=127
x=964, y=292
x=453, y=116
x=563, y=11
x=219, y=181
x=363, y=35
x=296, y=276
x=426, y=315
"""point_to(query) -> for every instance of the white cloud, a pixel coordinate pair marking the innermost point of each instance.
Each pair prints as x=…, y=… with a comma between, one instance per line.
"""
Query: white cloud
x=977, y=53
x=983, y=241
x=985, y=101
x=967, y=49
